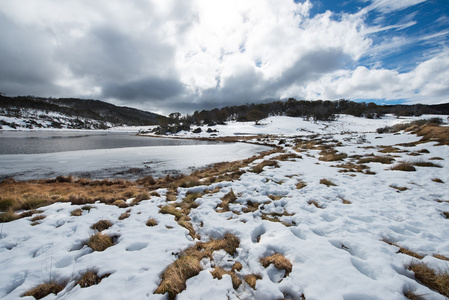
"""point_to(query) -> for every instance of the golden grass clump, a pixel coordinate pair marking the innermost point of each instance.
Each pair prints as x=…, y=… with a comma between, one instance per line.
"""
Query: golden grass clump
x=237, y=266
x=301, y=184
x=120, y=203
x=226, y=200
x=77, y=212
x=125, y=215
x=402, y=249
x=434, y=279
x=442, y=257
x=403, y=166
x=327, y=182
x=100, y=242
x=218, y=273
x=259, y=167
x=315, y=203
x=188, y=264
x=151, y=222
x=101, y=225
x=46, y=288
x=279, y=261
x=251, y=280
x=89, y=278
x=376, y=159
x=332, y=155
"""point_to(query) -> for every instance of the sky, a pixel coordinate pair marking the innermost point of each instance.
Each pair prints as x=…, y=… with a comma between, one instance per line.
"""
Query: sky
x=173, y=55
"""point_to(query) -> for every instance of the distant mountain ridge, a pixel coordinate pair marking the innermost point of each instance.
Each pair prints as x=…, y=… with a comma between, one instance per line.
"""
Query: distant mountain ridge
x=71, y=113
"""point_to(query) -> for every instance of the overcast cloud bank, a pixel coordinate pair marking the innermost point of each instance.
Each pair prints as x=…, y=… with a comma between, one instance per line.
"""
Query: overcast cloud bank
x=167, y=56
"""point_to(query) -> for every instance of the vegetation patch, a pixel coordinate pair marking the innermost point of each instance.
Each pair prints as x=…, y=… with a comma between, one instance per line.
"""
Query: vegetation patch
x=300, y=185
x=437, y=280
x=90, y=277
x=77, y=212
x=426, y=164
x=251, y=280
x=120, y=203
x=226, y=200
x=315, y=203
x=351, y=167
x=399, y=188
x=438, y=180
x=279, y=261
x=403, y=166
x=412, y=296
x=327, y=182
x=46, y=288
x=376, y=159
x=259, y=167
x=125, y=215
x=332, y=155
x=151, y=222
x=402, y=249
x=188, y=264
x=218, y=273
x=100, y=242
x=101, y=225
x=442, y=257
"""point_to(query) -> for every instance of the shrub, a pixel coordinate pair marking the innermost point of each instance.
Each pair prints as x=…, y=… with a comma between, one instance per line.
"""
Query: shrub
x=101, y=225
x=100, y=242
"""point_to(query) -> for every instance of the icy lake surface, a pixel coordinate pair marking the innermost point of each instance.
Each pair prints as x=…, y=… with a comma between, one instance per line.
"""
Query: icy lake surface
x=34, y=155
x=33, y=142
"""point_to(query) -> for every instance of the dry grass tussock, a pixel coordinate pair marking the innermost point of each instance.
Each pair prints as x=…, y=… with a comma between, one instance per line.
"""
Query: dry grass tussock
x=226, y=200
x=412, y=296
x=438, y=180
x=25, y=195
x=327, y=182
x=399, y=188
x=125, y=215
x=218, y=273
x=90, y=277
x=101, y=225
x=266, y=163
x=151, y=222
x=46, y=288
x=188, y=264
x=351, y=167
x=402, y=249
x=100, y=242
x=332, y=155
x=403, y=166
x=315, y=203
x=376, y=159
x=279, y=261
x=251, y=280
x=437, y=280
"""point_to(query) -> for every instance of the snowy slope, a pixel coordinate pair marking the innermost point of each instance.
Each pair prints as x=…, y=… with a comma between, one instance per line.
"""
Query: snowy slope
x=335, y=248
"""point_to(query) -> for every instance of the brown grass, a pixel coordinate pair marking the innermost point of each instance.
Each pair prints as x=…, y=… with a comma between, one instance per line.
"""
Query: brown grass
x=446, y=214
x=301, y=184
x=226, y=200
x=101, y=225
x=442, y=257
x=19, y=195
x=438, y=180
x=77, y=212
x=237, y=266
x=46, y=288
x=259, y=167
x=434, y=279
x=434, y=133
x=151, y=222
x=120, y=203
x=376, y=159
x=90, y=278
x=327, y=182
x=279, y=261
x=100, y=242
x=218, y=273
x=125, y=215
x=251, y=207
x=188, y=264
x=391, y=149
x=37, y=218
x=9, y=216
x=412, y=296
x=251, y=280
x=426, y=164
x=403, y=166
x=402, y=249
x=332, y=155
x=351, y=167
x=314, y=202
x=399, y=188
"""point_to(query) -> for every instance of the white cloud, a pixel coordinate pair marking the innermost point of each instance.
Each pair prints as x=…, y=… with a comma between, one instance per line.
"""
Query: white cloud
x=172, y=55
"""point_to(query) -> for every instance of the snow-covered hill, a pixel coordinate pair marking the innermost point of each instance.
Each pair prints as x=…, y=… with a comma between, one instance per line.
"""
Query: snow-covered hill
x=324, y=216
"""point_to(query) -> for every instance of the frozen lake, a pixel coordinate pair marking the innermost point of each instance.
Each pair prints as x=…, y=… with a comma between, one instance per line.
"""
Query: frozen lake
x=35, y=155
x=33, y=142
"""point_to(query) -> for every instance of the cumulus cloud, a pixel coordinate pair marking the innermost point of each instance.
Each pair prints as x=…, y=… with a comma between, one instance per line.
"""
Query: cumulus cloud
x=172, y=55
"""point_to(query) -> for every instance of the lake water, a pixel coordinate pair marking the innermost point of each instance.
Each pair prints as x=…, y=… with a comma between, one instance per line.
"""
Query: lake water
x=19, y=142
x=98, y=155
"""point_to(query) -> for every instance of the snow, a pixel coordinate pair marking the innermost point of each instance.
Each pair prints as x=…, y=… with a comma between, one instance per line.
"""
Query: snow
x=336, y=251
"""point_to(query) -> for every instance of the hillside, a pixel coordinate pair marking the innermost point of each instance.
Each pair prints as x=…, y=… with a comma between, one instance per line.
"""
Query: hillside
x=33, y=112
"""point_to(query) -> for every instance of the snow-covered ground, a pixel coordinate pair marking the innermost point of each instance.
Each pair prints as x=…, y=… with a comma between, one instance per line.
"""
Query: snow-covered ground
x=335, y=249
